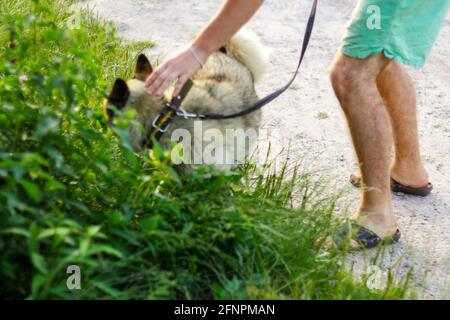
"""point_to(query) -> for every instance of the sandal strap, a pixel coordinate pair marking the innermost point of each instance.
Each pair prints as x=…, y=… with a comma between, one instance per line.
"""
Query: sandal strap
x=398, y=187
x=367, y=238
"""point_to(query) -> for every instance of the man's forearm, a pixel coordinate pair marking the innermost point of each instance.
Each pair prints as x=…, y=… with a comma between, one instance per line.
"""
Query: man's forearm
x=230, y=18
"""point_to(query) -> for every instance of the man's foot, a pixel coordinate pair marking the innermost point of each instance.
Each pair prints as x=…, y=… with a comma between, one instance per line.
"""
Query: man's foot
x=413, y=176
x=399, y=187
x=372, y=226
x=355, y=237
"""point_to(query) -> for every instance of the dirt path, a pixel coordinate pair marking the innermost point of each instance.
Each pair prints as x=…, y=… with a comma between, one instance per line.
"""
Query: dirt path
x=309, y=114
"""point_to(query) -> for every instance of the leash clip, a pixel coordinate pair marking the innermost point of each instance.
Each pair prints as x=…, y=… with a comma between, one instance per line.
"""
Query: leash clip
x=155, y=126
x=187, y=115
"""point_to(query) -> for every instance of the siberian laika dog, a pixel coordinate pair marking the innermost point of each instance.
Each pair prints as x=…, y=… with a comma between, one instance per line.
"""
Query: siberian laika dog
x=225, y=85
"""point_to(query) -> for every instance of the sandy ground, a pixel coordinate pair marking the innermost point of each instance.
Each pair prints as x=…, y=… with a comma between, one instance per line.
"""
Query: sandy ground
x=309, y=115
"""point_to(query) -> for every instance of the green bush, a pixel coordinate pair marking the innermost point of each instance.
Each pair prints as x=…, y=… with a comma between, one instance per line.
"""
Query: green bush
x=73, y=193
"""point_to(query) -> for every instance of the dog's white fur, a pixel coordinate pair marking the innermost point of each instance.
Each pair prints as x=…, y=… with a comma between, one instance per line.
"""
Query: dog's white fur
x=247, y=48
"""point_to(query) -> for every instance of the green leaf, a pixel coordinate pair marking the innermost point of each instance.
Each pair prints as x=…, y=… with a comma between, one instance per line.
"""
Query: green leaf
x=61, y=231
x=103, y=248
x=33, y=243
x=48, y=124
x=16, y=231
x=157, y=151
x=93, y=231
x=111, y=292
x=32, y=190
x=173, y=174
x=36, y=283
x=39, y=262
x=152, y=223
x=115, y=217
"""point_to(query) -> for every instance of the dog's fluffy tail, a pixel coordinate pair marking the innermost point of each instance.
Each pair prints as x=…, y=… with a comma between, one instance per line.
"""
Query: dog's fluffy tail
x=247, y=48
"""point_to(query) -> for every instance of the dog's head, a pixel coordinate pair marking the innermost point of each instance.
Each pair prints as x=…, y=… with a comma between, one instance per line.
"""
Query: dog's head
x=133, y=94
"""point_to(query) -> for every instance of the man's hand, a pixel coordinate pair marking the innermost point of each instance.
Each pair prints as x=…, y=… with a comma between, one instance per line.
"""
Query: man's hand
x=180, y=67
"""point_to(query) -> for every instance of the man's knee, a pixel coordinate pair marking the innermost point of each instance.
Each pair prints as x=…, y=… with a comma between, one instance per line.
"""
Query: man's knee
x=344, y=75
x=338, y=78
x=350, y=74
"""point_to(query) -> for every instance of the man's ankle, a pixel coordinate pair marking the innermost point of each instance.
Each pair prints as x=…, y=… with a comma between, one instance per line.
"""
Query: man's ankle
x=382, y=222
x=412, y=176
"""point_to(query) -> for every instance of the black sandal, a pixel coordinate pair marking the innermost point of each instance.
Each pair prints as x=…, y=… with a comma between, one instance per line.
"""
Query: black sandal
x=419, y=192
x=359, y=237
x=397, y=187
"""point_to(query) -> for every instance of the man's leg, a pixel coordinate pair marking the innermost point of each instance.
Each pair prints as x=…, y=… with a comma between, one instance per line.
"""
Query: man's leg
x=398, y=92
x=355, y=84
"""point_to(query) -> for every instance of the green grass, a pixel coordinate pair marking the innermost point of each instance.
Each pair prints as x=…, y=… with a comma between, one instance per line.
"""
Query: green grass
x=322, y=115
x=73, y=193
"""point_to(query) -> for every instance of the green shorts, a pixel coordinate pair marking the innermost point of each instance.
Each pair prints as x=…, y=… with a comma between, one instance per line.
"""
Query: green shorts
x=404, y=30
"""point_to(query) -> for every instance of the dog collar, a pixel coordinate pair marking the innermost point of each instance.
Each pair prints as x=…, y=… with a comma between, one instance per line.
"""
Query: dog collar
x=162, y=121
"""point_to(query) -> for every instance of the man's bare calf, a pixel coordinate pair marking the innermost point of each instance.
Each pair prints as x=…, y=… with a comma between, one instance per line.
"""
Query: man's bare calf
x=355, y=83
x=399, y=95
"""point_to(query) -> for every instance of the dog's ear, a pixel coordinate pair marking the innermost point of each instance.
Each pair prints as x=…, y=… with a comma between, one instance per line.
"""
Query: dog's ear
x=119, y=94
x=143, y=68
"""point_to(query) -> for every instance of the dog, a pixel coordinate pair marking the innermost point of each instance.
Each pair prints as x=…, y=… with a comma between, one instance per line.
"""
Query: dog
x=224, y=85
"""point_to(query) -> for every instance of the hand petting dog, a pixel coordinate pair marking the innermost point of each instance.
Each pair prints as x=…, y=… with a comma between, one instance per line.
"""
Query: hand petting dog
x=181, y=67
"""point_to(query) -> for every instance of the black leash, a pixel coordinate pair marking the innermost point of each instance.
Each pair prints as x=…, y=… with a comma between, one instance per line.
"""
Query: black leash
x=164, y=118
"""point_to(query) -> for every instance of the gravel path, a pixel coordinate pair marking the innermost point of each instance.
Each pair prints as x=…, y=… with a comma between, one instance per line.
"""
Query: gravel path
x=309, y=115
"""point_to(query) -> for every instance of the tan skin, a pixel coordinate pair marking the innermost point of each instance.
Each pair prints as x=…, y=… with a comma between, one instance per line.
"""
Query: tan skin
x=378, y=99
x=376, y=95
x=229, y=19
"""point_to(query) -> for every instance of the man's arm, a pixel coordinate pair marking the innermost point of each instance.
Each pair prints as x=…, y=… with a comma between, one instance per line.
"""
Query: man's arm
x=229, y=19
x=232, y=15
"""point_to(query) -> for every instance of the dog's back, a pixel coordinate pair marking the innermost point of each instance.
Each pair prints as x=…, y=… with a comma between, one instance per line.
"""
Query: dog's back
x=225, y=85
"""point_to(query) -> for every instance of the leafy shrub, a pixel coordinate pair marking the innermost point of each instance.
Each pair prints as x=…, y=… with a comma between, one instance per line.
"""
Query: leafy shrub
x=73, y=193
